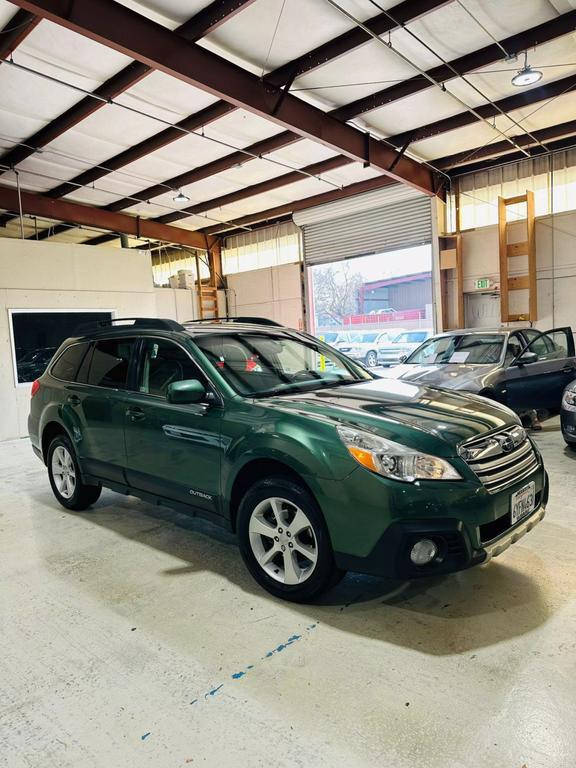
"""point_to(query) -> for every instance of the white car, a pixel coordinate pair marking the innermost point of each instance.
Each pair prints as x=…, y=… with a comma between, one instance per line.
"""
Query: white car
x=403, y=345
x=364, y=346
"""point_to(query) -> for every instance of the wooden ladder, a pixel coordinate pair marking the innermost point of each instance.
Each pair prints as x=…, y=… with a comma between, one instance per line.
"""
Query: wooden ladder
x=207, y=294
x=510, y=250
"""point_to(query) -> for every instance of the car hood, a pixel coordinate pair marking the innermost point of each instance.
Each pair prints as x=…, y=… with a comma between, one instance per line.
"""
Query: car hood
x=421, y=417
x=459, y=376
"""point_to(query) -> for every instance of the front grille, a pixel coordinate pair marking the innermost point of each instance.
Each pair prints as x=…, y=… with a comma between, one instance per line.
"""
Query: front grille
x=495, y=528
x=502, y=459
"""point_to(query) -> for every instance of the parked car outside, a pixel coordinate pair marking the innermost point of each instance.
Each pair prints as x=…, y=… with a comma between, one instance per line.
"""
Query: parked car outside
x=401, y=346
x=523, y=368
x=364, y=346
x=568, y=415
x=334, y=337
x=318, y=469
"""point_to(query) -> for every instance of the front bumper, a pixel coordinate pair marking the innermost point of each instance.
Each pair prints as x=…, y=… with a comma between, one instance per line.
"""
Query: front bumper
x=474, y=538
x=568, y=425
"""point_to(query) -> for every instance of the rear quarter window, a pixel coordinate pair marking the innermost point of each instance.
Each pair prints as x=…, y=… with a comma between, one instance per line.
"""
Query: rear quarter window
x=67, y=365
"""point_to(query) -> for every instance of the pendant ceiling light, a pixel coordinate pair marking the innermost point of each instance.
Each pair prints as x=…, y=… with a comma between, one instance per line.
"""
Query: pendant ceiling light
x=181, y=197
x=526, y=75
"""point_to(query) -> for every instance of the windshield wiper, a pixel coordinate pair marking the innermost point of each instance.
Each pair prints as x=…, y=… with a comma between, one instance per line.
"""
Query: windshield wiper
x=303, y=387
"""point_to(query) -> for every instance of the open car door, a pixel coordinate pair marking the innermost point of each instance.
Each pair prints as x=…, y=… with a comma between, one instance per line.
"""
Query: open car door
x=536, y=378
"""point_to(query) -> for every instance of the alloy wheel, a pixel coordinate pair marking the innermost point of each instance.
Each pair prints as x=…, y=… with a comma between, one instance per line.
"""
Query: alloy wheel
x=283, y=541
x=63, y=472
x=371, y=359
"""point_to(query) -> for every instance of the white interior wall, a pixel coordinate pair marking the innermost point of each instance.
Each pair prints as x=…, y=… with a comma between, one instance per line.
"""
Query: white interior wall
x=274, y=293
x=555, y=264
x=41, y=276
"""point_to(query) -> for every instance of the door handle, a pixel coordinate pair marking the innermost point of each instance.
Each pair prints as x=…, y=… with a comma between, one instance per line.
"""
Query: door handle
x=568, y=369
x=73, y=400
x=135, y=414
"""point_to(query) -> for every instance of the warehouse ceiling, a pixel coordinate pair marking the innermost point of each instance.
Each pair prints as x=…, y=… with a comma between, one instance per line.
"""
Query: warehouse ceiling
x=254, y=109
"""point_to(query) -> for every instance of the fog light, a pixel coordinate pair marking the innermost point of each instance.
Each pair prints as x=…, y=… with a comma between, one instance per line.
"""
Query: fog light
x=423, y=552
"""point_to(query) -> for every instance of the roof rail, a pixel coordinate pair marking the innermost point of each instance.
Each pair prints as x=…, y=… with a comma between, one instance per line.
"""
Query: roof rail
x=248, y=320
x=152, y=323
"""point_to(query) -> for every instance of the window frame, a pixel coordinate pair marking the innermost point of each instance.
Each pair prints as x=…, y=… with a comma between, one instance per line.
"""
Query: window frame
x=130, y=374
x=89, y=347
x=214, y=396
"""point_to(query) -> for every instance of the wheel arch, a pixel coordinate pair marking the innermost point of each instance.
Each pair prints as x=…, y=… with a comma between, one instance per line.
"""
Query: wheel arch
x=51, y=430
x=258, y=469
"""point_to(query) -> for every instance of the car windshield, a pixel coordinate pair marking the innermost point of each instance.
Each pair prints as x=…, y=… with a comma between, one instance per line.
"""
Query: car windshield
x=410, y=337
x=264, y=364
x=471, y=348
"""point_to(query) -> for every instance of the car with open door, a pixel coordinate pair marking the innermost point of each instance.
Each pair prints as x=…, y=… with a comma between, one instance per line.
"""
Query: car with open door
x=523, y=368
x=316, y=464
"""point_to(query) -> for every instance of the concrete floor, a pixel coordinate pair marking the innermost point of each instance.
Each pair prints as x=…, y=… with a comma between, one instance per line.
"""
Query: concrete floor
x=132, y=636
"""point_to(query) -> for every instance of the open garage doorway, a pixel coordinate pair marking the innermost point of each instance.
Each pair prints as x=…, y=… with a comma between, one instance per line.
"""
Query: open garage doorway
x=368, y=304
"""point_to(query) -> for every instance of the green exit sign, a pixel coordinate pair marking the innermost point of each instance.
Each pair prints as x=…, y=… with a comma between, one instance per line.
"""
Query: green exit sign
x=482, y=284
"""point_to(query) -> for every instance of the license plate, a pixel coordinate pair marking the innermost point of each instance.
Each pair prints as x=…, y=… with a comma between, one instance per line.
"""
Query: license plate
x=523, y=502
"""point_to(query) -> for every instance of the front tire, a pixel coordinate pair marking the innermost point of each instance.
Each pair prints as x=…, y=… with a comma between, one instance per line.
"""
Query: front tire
x=65, y=476
x=284, y=541
x=371, y=359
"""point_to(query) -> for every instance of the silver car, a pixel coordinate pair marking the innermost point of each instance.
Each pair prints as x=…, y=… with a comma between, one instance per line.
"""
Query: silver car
x=365, y=347
x=400, y=347
x=522, y=368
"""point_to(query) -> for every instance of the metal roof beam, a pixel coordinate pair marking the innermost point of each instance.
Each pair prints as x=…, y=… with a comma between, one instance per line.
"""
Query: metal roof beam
x=544, y=135
x=256, y=189
x=114, y=86
x=509, y=103
x=210, y=18
x=542, y=33
x=568, y=142
x=259, y=148
x=16, y=30
x=353, y=38
x=140, y=38
x=231, y=197
x=64, y=210
x=271, y=214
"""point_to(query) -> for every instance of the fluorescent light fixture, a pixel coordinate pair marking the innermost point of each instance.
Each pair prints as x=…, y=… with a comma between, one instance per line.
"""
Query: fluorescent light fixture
x=181, y=197
x=526, y=75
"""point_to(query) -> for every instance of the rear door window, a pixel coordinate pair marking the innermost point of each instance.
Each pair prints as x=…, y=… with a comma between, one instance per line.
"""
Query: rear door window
x=67, y=365
x=110, y=363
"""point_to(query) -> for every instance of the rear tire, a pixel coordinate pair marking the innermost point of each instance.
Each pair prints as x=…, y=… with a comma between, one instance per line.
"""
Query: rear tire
x=65, y=477
x=284, y=541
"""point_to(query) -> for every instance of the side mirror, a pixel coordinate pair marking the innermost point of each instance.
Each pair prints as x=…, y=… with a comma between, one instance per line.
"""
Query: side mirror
x=526, y=359
x=186, y=392
x=402, y=358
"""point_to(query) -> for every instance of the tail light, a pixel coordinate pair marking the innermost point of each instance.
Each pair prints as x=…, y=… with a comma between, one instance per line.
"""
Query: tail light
x=35, y=388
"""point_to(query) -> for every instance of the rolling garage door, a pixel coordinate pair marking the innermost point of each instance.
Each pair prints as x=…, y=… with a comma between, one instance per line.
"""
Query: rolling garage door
x=384, y=220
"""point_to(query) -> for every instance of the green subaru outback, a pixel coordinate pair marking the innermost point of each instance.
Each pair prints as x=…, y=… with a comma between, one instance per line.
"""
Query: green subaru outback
x=316, y=464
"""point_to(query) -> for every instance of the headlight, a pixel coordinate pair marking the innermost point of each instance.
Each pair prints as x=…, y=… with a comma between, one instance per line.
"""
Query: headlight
x=394, y=460
x=569, y=400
